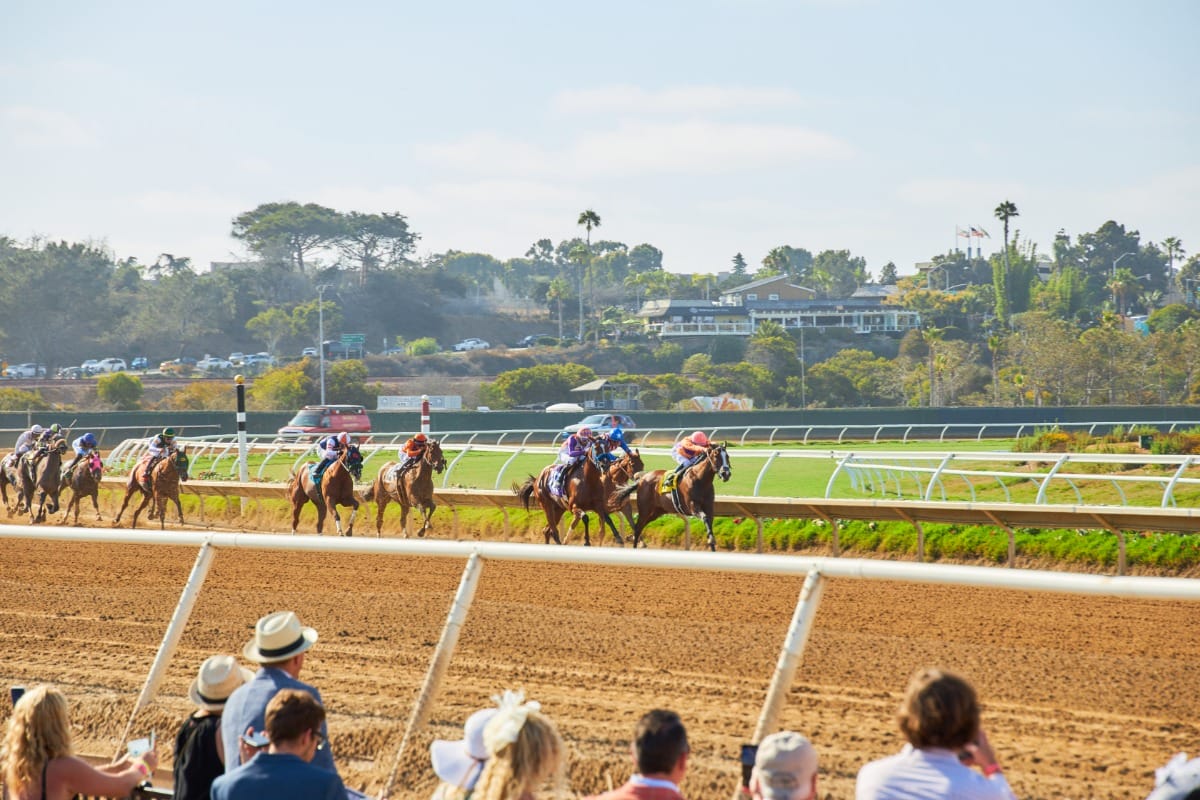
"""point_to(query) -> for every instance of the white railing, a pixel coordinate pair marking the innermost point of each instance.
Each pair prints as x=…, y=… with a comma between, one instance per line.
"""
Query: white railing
x=815, y=570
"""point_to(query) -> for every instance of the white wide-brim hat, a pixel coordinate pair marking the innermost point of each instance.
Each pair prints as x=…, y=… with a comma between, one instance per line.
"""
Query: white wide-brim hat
x=460, y=763
x=218, y=677
x=278, y=637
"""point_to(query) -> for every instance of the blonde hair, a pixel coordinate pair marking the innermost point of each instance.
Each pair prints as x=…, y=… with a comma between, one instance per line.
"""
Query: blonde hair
x=38, y=731
x=523, y=765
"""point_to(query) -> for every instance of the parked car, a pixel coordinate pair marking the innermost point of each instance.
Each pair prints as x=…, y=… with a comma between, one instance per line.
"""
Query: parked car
x=213, y=364
x=259, y=360
x=309, y=351
x=471, y=344
x=29, y=370
x=604, y=423
x=113, y=364
x=141, y=362
x=91, y=366
x=532, y=339
x=237, y=358
x=177, y=366
x=320, y=420
x=74, y=373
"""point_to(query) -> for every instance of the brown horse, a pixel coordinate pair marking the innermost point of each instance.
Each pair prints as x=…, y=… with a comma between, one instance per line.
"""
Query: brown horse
x=336, y=489
x=84, y=481
x=413, y=489
x=583, y=491
x=693, y=496
x=619, y=473
x=163, y=486
x=44, y=479
x=12, y=473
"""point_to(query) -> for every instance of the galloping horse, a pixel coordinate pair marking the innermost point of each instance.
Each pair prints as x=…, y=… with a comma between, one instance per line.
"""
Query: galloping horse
x=693, y=496
x=582, y=491
x=619, y=473
x=163, y=486
x=336, y=489
x=12, y=473
x=413, y=489
x=45, y=480
x=84, y=481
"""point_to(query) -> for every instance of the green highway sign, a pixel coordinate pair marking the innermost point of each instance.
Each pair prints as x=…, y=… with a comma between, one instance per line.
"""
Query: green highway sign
x=354, y=338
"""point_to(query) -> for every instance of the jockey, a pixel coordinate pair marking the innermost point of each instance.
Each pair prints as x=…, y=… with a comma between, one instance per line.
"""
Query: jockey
x=412, y=450
x=44, y=442
x=571, y=453
x=160, y=444
x=83, y=446
x=612, y=442
x=28, y=439
x=688, y=451
x=330, y=447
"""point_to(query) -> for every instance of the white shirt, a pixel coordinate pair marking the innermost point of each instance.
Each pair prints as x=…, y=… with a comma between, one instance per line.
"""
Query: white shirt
x=929, y=774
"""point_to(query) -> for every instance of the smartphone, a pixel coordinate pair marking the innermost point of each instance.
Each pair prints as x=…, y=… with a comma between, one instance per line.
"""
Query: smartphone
x=749, y=753
x=16, y=693
x=258, y=739
x=139, y=747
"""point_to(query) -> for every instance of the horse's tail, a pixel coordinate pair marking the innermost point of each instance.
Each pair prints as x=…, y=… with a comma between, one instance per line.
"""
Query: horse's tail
x=625, y=491
x=525, y=490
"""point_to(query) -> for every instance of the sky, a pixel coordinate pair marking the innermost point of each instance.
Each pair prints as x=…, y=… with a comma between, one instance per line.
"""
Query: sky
x=703, y=128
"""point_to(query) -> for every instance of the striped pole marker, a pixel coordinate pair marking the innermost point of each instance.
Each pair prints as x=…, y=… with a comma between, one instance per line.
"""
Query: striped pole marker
x=425, y=414
x=243, y=467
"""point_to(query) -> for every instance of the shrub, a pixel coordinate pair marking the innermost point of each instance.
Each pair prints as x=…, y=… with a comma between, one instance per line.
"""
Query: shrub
x=120, y=390
x=20, y=400
x=201, y=396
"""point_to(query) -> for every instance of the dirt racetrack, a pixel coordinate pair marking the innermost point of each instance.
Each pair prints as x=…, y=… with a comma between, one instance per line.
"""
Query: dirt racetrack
x=1083, y=696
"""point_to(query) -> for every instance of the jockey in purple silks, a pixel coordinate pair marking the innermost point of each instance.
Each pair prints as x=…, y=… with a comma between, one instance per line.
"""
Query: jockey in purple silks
x=571, y=453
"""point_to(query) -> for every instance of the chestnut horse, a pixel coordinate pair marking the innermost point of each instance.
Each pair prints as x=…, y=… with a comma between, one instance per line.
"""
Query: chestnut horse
x=583, y=491
x=44, y=479
x=693, y=496
x=12, y=473
x=619, y=473
x=164, y=486
x=336, y=489
x=413, y=489
x=84, y=481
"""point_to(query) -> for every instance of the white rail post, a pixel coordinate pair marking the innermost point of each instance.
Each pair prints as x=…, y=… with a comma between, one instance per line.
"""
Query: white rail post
x=166, y=650
x=441, y=661
x=789, y=656
x=243, y=467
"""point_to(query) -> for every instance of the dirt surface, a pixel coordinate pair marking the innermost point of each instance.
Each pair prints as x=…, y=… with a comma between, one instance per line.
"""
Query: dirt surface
x=1083, y=696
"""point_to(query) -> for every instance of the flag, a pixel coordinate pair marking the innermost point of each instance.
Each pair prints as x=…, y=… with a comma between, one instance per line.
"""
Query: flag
x=980, y=232
x=962, y=233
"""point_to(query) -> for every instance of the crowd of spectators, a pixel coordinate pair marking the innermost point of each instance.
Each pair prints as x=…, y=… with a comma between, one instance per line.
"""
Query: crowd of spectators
x=263, y=736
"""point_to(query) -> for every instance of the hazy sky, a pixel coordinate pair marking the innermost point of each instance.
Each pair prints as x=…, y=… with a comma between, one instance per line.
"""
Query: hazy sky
x=703, y=128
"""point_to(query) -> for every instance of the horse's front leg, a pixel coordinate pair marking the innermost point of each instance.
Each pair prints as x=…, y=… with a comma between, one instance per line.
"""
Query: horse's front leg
x=706, y=518
x=95, y=505
x=353, y=514
x=427, y=509
x=608, y=520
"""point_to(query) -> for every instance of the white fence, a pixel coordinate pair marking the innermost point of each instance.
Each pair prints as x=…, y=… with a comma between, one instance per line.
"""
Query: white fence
x=815, y=570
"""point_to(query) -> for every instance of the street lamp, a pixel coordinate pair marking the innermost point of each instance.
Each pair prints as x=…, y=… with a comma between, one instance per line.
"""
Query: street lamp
x=1118, y=259
x=321, y=335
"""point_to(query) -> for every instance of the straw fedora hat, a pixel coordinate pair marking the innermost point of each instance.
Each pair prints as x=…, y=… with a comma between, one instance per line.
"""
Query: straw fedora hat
x=278, y=637
x=218, y=677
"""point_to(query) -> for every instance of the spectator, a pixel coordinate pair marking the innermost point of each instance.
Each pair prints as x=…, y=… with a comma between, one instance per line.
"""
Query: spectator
x=37, y=757
x=785, y=768
x=660, y=753
x=523, y=749
x=285, y=771
x=940, y=718
x=1178, y=780
x=460, y=763
x=199, y=754
x=279, y=646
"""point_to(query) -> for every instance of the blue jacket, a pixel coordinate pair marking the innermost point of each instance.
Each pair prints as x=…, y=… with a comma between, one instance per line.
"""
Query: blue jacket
x=248, y=706
x=278, y=776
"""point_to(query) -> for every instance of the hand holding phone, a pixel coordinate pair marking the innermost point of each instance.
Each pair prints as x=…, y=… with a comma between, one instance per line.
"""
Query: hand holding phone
x=139, y=747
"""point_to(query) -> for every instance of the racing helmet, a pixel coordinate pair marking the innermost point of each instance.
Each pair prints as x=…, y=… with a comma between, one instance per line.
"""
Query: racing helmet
x=55, y=428
x=343, y=438
x=699, y=438
x=89, y=439
x=420, y=437
x=617, y=435
x=36, y=428
x=585, y=433
x=168, y=433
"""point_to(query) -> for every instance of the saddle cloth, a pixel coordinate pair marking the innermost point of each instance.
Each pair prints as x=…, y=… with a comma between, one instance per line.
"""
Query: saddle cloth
x=667, y=484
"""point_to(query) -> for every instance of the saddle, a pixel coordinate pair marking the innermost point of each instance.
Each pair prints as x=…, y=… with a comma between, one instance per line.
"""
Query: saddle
x=669, y=482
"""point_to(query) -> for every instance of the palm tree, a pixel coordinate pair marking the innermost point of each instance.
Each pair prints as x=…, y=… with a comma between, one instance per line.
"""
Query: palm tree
x=931, y=336
x=556, y=291
x=993, y=343
x=588, y=219
x=1004, y=212
x=1174, y=249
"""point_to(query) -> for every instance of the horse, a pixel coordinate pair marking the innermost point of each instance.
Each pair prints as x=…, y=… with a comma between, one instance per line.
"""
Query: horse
x=619, y=473
x=692, y=497
x=45, y=480
x=413, y=489
x=582, y=491
x=336, y=489
x=12, y=473
x=163, y=486
x=84, y=481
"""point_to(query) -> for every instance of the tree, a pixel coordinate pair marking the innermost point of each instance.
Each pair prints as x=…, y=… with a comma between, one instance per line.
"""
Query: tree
x=645, y=258
x=795, y=262
x=287, y=387
x=588, y=219
x=270, y=327
x=290, y=229
x=739, y=270
x=887, y=274
x=1004, y=212
x=1174, y=249
x=834, y=273
x=375, y=241
x=557, y=291
x=122, y=391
